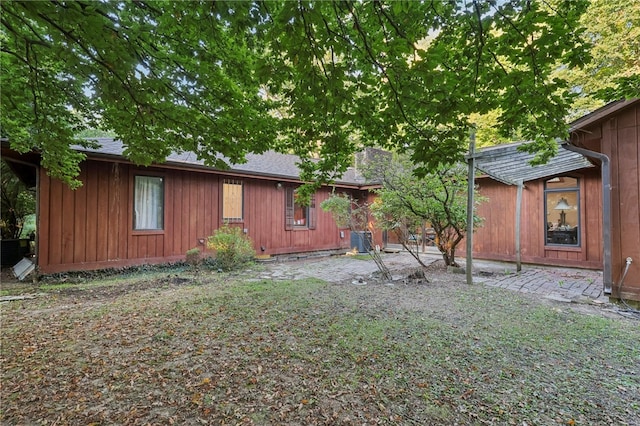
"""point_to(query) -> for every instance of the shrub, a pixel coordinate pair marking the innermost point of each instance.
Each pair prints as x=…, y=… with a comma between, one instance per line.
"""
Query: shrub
x=193, y=256
x=193, y=259
x=233, y=248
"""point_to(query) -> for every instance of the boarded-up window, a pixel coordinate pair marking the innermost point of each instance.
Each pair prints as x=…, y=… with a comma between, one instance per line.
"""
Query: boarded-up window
x=232, y=200
x=298, y=215
x=148, y=203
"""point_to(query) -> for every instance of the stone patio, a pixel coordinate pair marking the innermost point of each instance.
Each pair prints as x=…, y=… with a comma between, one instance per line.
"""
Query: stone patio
x=560, y=284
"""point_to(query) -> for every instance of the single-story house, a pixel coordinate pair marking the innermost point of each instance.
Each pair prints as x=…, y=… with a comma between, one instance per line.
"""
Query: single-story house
x=126, y=215
x=581, y=209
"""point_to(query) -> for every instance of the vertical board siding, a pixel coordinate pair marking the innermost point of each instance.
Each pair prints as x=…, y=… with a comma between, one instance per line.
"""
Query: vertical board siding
x=159, y=251
x=101, y=216
x=68, y=219
x=634, y=276
x=276, y=234
x=175, y=198
x=610, y=147
x=265, y=221
x=260, y=199
x=532, y=217
x=80, y=222
x=628, y=183
x=191, y=210
x=115, y=207
x=92, y=227
x=621, y=142
x=90, y=222
x=497, y=234
x=496, y=238
x=592, y=233
x=202, y=209
x=125, y=212
x=55, y=222
x=181, y=207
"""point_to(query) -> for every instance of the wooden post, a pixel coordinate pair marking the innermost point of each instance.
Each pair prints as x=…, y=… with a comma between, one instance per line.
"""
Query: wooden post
x=470, y=202
x=518, y=210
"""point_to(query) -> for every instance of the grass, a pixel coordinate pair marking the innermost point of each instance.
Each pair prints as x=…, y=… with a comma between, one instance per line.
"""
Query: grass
x=234, y=349
x=366, y=257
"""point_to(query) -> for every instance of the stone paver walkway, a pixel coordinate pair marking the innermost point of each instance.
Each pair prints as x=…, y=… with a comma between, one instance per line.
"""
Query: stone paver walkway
x=558, y=283
x=561, y=284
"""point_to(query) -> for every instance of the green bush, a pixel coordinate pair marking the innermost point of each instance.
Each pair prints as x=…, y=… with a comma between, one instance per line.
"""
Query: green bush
x=193, y=256
x=232, y=247
x=193, y=259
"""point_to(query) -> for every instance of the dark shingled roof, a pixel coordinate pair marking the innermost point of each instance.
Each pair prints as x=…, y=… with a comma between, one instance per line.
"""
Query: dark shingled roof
x=506, y=164
x=269, y=164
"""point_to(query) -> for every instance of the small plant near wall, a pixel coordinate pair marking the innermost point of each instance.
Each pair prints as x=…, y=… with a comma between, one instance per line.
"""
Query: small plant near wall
x=193, y=259
x=348, y=213
x=232, y=247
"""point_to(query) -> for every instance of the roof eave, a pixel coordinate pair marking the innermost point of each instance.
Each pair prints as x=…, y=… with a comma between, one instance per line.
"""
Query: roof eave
x=600, y=114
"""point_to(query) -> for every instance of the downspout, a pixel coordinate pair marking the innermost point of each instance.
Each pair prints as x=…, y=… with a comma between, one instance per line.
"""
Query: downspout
x=606, y=209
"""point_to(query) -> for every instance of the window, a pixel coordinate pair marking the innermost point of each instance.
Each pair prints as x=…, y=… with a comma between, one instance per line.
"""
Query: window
x=298, y=215
x=300, y=212
x=232, y=200
x=148, y=203
x=562, y=211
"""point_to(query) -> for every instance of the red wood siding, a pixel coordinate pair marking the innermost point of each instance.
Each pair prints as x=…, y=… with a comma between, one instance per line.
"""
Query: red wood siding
x=92, y=227
x=618, y=137
x=496, y=238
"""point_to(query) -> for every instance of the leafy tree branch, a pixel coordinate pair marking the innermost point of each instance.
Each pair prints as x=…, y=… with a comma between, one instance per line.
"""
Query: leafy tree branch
x=176, y=76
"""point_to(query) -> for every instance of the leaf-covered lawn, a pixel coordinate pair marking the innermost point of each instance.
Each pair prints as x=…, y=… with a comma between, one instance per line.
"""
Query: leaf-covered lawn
x=242, y=350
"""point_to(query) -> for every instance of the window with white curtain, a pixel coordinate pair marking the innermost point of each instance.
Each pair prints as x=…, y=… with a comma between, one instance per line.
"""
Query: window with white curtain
x=148, y=203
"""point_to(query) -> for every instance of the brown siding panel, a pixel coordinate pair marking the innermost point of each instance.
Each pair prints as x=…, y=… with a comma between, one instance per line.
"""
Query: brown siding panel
x=159, y=250
x=55, y=222
x=102, y=215
x=180, y=212
x=182, y=207
x=496, y=238
x=113, y=218
x=625, y=145
x=167, y=243
x=190, y=209
x=80, y=222
x=92, y=228
x=125, y=215
x=591, y=233
x=176, y=237
x=68, y=218
x=91, y=184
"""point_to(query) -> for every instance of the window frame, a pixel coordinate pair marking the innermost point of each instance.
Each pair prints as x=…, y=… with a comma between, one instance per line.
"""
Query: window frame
x=162, y=201
x=231, y=181
x=290, y=209
x=547, y=209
